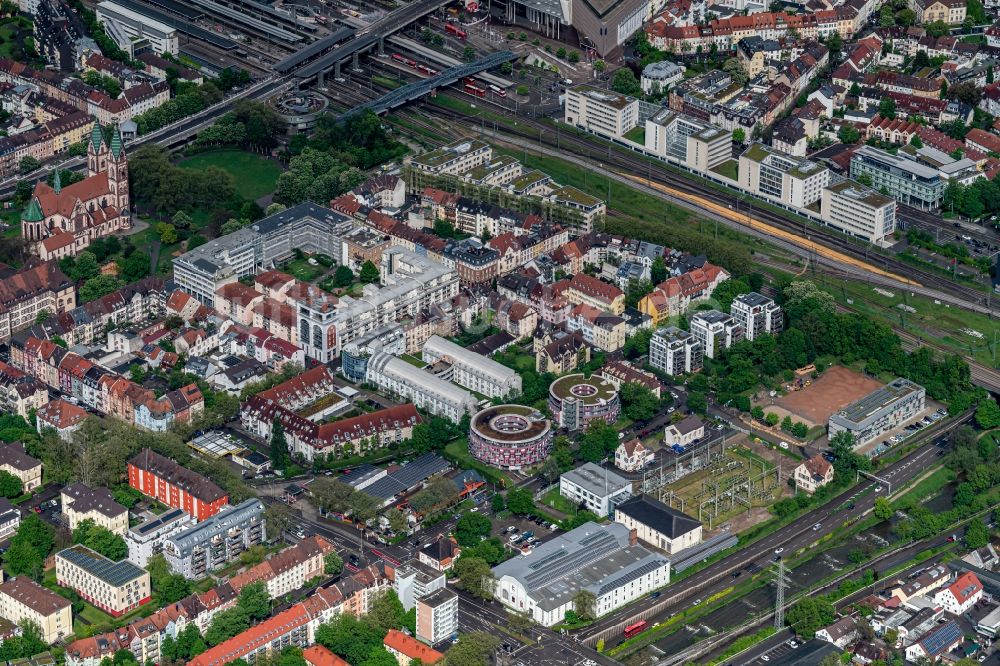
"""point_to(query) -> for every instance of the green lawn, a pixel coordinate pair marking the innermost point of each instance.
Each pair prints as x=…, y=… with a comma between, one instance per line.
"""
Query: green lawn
x=94, y=615
x=301, y=269
x=559, y=503
x=413, y=360
x=729, y=169
x=255, y=176
x=637, y=134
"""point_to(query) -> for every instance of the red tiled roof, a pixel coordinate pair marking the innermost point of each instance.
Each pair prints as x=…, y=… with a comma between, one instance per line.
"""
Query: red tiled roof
x=965, y=586
x=317, y=655
x=60, y=414
x=411, y=647
x=591, y=286
x=238, y=293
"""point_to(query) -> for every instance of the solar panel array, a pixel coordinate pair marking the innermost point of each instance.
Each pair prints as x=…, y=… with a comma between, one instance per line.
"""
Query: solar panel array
x=112, y=573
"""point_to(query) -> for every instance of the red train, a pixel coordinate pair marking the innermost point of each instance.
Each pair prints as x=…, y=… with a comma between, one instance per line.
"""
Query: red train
x=455, y=30
x=473, y=89
x=404, y=60
x=498, y=91
x=424, y=69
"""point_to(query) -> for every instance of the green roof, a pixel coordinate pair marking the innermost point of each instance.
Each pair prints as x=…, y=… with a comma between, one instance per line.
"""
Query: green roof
x=116, y=143
x=33, y=213
x=756, y=152
x=97, y=137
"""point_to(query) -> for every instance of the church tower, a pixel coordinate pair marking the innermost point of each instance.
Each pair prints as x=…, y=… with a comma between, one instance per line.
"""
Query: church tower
x=117, y=167
x=97, y=152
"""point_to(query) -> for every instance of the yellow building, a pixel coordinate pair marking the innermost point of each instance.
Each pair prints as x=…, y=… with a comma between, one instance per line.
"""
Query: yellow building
x=588, y=290
x=23, y=599
x=80, y=503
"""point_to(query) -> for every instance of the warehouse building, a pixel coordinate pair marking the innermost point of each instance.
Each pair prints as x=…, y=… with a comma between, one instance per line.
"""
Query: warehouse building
x=602, y=559
x=880, y=411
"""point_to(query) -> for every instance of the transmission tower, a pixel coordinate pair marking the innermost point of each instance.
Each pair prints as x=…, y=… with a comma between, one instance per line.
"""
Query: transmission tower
x=779, y=602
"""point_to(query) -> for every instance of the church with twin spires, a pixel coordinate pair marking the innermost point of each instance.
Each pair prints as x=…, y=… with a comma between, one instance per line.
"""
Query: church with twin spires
x=62, y=221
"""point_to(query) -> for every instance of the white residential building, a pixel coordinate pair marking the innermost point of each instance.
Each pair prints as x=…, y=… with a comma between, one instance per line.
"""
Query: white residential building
x=757, y=314
x=420, y=387
x=675, y=352
x=437, y=616
x=688, y=140
x=471, y=370
x=715, y=331
x=961, y=595
x=146, y=539
x=414, y=580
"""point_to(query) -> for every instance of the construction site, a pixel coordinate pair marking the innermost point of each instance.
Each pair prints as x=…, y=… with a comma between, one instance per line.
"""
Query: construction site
x=715, y=482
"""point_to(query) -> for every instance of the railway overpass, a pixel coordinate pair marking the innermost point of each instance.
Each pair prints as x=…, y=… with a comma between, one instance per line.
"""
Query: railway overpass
x=314, y=61
x=412, y=91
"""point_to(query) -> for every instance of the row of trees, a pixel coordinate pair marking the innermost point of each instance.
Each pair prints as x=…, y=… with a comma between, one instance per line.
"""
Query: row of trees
x=250, y=123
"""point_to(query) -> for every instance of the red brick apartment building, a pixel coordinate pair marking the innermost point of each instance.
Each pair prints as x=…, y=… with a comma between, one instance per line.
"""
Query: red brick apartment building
x=178, y=487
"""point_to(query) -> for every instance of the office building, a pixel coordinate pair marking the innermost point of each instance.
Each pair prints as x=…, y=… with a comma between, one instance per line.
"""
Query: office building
x=858, y=211
x=605, y=560
x=595, y=488
x=23, y=599
x=261, y=246
x=426, y=391
x=146, y=539
x=907, y=181
x=114, y=587
x=510, y=436
x=414, y=580
x=471, y=370
x=437, y=616
x=880, y=411
x=163, y=479
x=390, y=338
x=715, y=331
x=659, y=525
x=757, y=314
x=601, y=111
x=576, y=400
x=688, y=140
x=132, y=27
x=217, y=541
x=80, y=503
x=675, y=352
x=793, y=181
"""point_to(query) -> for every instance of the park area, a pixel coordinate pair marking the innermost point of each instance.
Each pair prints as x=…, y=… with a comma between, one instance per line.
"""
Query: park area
x=737, y=486
x=255, y=176
x=833, y=390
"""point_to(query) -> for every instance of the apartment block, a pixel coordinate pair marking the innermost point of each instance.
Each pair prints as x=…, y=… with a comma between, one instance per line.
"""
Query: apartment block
x=858, y=211
x=288, y=570
x=601, y=111
x=407, y=649
x=715, y=331
x=757, y=314
x=596, y=488
x=163, y=479
x=23, y=599
x=437, y=616
x=454, y=159
x=114, y=587
x=216, y=541
x=10, y=519
x=675, y=352
x=425, y=390
x=793, y=181
x=471, y=370
x=146, y=539
x=80, y=503
x=588, y=290
x=414, y=580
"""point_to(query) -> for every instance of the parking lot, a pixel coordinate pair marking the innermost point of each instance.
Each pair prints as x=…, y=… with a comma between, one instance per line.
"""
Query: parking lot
x=514, y=527
x=902, y=434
